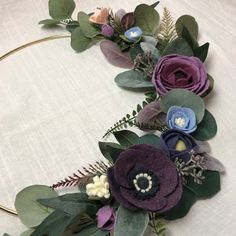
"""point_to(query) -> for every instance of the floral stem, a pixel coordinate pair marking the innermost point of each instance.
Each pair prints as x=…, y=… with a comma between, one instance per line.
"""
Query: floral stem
x=13, y=212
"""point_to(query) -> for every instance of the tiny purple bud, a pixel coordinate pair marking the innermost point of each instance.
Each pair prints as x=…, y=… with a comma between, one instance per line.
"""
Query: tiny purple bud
x=107, y=30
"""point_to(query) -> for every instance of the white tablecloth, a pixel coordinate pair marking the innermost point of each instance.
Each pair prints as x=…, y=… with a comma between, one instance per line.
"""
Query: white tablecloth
x=56, y=104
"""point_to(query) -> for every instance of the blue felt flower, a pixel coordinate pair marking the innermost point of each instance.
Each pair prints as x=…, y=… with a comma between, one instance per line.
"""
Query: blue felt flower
x=181, y=118
x=133, y=34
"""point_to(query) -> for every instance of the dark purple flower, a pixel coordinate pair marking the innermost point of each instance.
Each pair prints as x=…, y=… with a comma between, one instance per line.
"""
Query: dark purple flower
x=107, y=30
x=143, y=177
x=177, y=71
x=106, y=218
x=177, y=144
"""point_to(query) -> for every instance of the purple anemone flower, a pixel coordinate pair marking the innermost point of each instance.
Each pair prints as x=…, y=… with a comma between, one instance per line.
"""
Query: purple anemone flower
x=177, y=144
x=143, y=177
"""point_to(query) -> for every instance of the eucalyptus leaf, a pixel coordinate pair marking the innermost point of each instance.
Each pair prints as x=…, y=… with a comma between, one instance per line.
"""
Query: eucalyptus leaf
x=55, y=224
x=127, y=20
x=131, y=223
x=189, y=38
x=147, y=18
x=201, y=52
x=88, y=29
x=61, y=9
x=150, y=139
x=114, y=55
x=150, y=40
x=155, y=4
x=92, y=230
x=207, y=129
x=126, y=138
x=106, y=147
x=182, y=208
x=184, y=98
x=135, y=50
x=79, y=42
x=211, y=86
x=49, y=22
x=209, y=187
x=30, y=212
x=27, y=233
x=71, y=26
x=178, y=46
x=114, y=152
x=189, y=22
x=147, y=47
x=133, y=80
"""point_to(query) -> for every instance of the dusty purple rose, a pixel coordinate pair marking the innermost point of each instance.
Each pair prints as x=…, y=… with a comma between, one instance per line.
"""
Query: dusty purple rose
x=143, y=177
x=177, y=144
x=177, y=71
x=107, y=30
x=106, y=218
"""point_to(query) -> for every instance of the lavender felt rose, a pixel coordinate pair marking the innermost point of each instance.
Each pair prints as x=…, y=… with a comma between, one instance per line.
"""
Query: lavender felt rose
x=181, y=118
x=177, y=144
x=177, y=71
x=106, y=218
x=143, y=177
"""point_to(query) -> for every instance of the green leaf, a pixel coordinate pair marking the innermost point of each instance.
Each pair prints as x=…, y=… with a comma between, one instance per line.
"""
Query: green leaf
x=92, y=230
x=79, y=42
x=202, y=52
x=183, y=207
x=107, y=149
x=27, y=233
x=30, y=212
x=211, y=86
x=178, y=46
x=209, y=187
x=147, y=18
x=147, y=47
x=190, y=23
x=71, y=26
x=207, y=129
x=61, y=9
x=184, y=98
x=134, y=51
x=131, y=223
x=114, y=152
x=49, y=22
x=88, y=29
x=54, y=224
x=133, y=80
x=72, y=204
x=126, y=138
x=189, y=38
x=150, y=139
x=155, y=4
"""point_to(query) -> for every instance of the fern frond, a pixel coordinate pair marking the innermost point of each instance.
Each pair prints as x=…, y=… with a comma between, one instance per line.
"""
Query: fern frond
x=167, y=32
x=83, y=176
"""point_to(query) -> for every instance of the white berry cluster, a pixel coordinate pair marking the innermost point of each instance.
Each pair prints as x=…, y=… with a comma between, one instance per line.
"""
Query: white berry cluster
x=99, y=187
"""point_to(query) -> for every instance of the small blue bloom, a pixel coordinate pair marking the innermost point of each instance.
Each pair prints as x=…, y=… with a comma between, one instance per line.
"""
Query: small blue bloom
x=133, y=34
x=181, y=118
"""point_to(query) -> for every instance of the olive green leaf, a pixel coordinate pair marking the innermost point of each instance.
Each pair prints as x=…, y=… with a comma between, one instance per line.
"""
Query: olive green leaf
x=207, y=129
x=30, y=212
x=92, y=230
x=190, y=23
x=189, y=38
x=49, y=22
x=178, y=46
x=135, y=50
x=79, y=42
x=201, y=52
x=71, y=26
x=61, y=9
x=209, y=187
x=182, y=208
x=155, y=4
x=27, y=233
x=132, y=223
x=147, y=18
x=184, y=98
x=126, y=138
x=88, y=29
x=150, y=139
x=134, y=80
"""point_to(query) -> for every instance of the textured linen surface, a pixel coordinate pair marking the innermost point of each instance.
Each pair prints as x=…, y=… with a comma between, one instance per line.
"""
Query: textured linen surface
x=56, y=104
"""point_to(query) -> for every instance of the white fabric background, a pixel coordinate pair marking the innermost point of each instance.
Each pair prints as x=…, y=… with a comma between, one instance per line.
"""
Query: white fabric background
x=56, y=104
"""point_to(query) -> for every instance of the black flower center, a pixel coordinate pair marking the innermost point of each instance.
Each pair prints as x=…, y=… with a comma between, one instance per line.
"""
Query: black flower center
x=144, y=182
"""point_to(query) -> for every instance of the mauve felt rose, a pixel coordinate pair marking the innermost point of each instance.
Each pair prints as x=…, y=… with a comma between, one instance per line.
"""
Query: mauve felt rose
x=177, y=144
x=181, y=118
x=177, y=71
x=106, y=218
x=143, y=177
